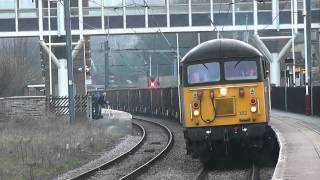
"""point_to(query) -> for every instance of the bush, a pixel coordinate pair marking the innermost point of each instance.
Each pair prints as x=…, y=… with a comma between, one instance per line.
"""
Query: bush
x=45, y=148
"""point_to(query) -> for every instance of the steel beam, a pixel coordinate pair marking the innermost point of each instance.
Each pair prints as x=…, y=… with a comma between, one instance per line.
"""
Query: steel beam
x=60, y=18
x=77, y=48
x=69, y=61
x=168, y=12
x=47, y=50
x=275, y=13
x=284, y=51
x=40, y=19
x=233, y=13
x=146, y=15
x=262, y=47
x=190, y=13
x=255, y=16
x=211, y=12
x=307, y=40
x=16, y=19
x=153, y=30
x=124, y=14
x=102, y=14
x=274, y=37
x=80, y=18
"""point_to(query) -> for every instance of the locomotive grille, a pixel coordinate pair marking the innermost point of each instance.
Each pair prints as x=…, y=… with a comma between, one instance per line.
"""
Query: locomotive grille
x=225, y=106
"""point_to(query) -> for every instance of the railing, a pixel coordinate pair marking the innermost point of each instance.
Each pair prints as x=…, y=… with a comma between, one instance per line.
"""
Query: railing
x=292, y=99
x=59, y=105
x=160, y=101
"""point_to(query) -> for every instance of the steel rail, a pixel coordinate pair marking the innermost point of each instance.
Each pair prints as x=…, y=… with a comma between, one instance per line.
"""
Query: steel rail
x=89, y=173
x=138, y=171
x=253, y=173
x=201, y=175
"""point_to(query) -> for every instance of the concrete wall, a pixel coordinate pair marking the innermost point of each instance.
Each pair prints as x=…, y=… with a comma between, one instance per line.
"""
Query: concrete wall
x=22, y=107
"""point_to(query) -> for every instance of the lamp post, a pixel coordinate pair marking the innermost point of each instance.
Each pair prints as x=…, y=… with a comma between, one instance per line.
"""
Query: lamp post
x=307, y=47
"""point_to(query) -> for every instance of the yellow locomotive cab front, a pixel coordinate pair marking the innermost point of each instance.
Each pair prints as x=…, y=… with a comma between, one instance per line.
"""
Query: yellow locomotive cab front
x=224, y=96
x=230, y=104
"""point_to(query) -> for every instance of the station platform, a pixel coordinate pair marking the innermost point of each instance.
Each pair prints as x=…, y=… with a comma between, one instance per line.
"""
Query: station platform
x=116, y=122
x=299, y=140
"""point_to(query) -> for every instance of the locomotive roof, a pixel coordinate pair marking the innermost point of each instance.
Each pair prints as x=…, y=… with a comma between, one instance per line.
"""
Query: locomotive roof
x=221, y=48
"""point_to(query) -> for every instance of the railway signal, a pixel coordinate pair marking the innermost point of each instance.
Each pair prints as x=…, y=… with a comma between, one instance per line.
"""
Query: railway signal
x=152, y=83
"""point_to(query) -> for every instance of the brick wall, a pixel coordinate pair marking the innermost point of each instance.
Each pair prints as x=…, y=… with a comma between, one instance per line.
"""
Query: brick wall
x=22, y=107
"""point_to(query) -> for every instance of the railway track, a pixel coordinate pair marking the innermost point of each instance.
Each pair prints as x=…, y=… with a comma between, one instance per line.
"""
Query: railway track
x=156, y=140
x=251, y=173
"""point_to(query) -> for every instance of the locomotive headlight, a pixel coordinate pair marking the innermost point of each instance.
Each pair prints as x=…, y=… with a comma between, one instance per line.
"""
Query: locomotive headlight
x=196, y=112
x=223, y=91
x=253, y=109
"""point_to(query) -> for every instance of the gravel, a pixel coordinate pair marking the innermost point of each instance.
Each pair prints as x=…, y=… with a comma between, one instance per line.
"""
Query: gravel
x=176, y=164
x=155, y=141
x=125, y=144
x=232, y=174
x=266, y=173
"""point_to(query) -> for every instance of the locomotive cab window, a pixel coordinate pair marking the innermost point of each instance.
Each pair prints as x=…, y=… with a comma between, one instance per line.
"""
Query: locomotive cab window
x=241, y=70
x=203, y=73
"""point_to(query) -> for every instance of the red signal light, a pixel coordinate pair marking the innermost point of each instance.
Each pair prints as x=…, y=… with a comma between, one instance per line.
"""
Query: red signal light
x=153, y=83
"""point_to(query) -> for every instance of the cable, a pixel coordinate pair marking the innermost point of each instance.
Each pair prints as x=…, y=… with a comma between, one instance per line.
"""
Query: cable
x=214, y=110
x=277, y=16
x=229, y=7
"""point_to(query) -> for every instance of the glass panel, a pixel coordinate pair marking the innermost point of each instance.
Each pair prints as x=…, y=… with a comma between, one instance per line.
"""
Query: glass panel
x=8, y=4
x=113, y=11
x=134, y=2
x=53, y=12
x=92, y=11
x=94, y=3
x=203, y=73
x=157, y=9
x=156, y=2
x=7, y=14
x=244, y=5
x=135, y=10
x=27, y=13
x=114, y=3
x=74, y=11
x=23, y=4
x=200, y=6
x=315, y=4
x=240, y=70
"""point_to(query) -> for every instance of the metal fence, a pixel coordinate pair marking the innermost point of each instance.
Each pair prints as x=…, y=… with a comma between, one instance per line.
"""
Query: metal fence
x=292, y=99
x=160, y=101
x=59, y=105
x=165, y=101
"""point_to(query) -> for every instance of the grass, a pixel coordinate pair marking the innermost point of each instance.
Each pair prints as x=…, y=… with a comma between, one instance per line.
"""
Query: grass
x=47, y=147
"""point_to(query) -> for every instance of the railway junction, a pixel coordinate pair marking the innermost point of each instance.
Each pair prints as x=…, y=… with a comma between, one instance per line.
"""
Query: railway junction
x=57, y=55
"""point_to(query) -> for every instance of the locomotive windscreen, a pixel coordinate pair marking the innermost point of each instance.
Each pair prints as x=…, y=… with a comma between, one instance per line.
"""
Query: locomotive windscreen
x=240, y=70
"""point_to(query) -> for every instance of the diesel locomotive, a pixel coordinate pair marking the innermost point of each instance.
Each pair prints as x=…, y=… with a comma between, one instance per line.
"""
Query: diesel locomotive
x=223, y=96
